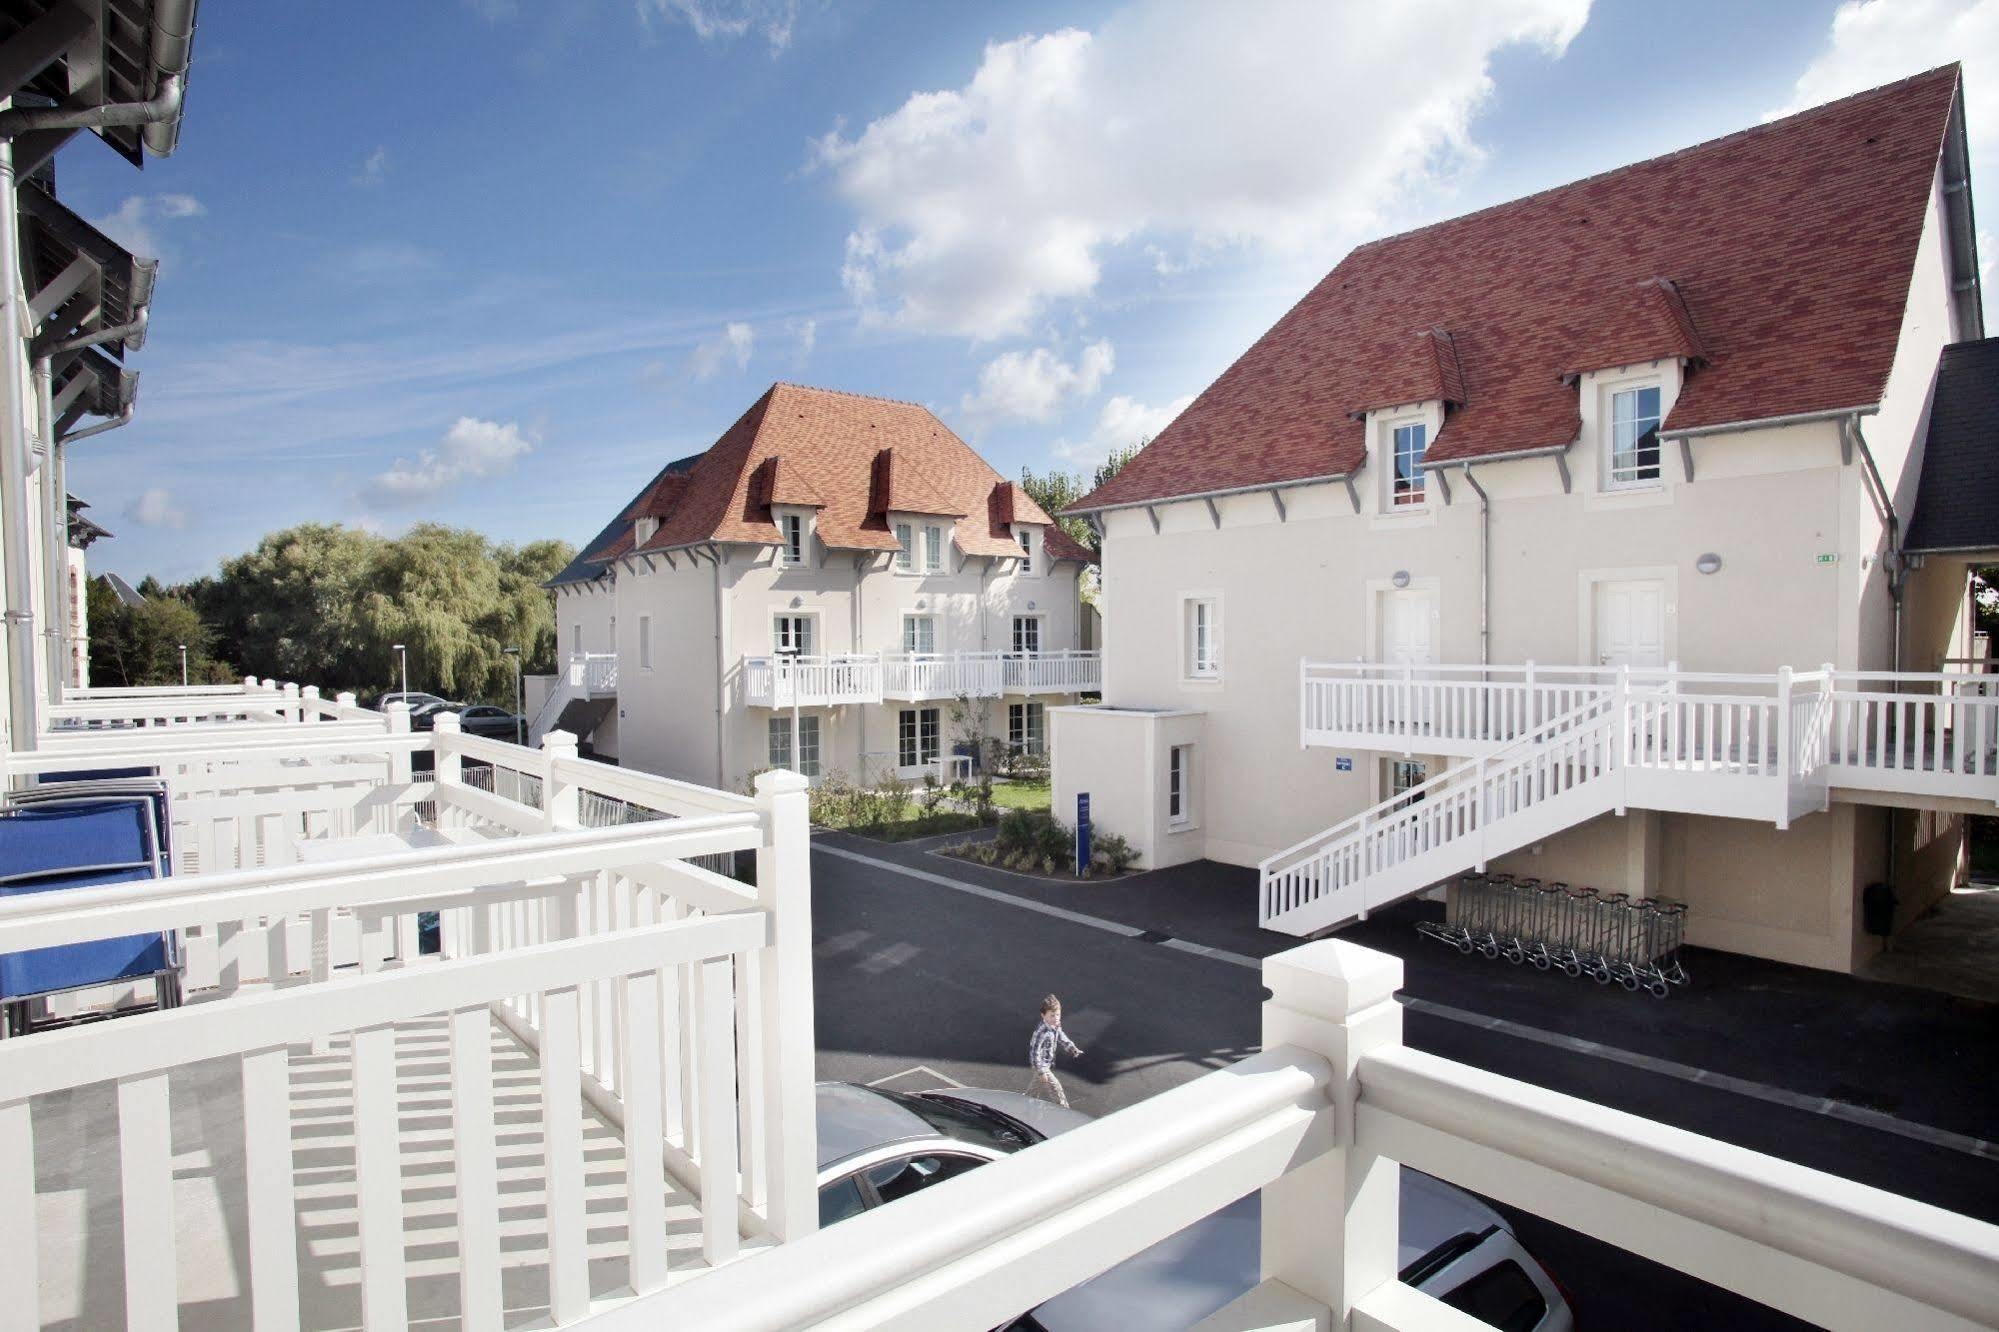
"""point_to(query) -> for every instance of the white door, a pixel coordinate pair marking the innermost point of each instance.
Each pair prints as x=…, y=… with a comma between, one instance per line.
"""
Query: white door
x=1408, y=628
x=1631, y=623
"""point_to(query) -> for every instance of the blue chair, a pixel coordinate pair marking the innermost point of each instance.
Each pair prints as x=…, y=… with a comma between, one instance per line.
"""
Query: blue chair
x=107, y=783
x=52, y=845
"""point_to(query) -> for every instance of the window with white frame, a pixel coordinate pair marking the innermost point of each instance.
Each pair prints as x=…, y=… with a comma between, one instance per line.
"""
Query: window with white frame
x=905, y=540
x=808, y=744
x=1026, y=728
x=791, y=635
x=791, y=527
x=1027, y=635
x=1180, y=786
x=1404, y=775
x=1201, y=638
x=1406, y=446
x=919, y=633
x=1633, y=460
x=917, y=736
x=933, y=549
x=1026, y=537
x=643, y=529
x=645, y=642
x=576, y=639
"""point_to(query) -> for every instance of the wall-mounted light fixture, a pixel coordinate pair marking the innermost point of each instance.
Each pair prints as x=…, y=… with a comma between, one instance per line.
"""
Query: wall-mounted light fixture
x=1401, y=578
x=1030, y=605
x=796, y=602
x=1708, y=563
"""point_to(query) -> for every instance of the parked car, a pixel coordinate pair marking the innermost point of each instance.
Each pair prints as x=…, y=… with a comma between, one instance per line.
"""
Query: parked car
x=423, y=716
x=487, y=720
x=415, y=698
x=876, y=1146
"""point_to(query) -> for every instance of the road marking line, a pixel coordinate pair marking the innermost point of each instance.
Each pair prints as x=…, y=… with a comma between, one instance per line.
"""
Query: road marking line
x=1857, y=1115
x=944, y=1078
x=977, y=890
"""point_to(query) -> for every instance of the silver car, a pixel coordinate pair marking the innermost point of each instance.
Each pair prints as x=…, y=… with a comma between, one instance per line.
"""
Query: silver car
x=876, y=1146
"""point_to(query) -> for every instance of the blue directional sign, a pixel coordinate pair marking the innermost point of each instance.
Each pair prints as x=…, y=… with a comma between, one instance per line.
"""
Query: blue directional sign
x=1082, y=832
x=1342, y=765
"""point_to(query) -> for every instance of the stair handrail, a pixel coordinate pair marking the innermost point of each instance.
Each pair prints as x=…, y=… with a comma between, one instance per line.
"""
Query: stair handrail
x=1499, y=757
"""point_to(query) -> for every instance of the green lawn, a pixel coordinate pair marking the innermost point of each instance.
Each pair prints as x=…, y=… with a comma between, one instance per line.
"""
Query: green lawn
x=1022, y=795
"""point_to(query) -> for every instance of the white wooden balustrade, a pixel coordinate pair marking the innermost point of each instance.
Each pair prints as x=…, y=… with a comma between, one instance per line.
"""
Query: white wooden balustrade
x=782, y=680
x=1773, y=747
x=1321, y=1123
x=585, y=676
x=661, y=1011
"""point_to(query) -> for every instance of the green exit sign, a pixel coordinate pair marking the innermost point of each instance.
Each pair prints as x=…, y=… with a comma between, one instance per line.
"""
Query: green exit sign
x=1829, y=557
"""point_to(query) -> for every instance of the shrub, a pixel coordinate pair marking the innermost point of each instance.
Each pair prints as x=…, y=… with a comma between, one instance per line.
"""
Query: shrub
x=891, y=799
x=831, y=801
x=1053, y=841
x=1016, y=830
x=1113, y=852
x=931, y=796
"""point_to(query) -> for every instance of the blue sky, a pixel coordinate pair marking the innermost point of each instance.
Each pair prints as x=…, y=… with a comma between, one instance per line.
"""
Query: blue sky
x=490, y=262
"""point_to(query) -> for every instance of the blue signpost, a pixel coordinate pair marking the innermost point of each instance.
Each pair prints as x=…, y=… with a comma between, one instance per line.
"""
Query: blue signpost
x=1342, y=765
x=1082, y=833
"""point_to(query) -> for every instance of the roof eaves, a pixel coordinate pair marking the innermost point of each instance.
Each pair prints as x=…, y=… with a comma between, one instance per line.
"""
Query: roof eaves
x=1260, y=487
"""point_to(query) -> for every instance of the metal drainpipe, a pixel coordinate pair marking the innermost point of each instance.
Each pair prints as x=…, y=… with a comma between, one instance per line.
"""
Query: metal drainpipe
x=171, y=42
x=1897, y=574
x=1484, y=585
x=721, y=697
x=14, y=509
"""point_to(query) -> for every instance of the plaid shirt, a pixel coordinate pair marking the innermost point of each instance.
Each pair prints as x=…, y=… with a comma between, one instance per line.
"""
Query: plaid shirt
x=1041, y=1047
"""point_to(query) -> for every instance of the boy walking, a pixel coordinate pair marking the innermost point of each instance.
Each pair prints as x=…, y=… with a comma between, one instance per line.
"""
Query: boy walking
x=1041, y=1052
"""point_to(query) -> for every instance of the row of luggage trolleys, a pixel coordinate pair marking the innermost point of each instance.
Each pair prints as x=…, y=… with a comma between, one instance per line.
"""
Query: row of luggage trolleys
x=1634, y=941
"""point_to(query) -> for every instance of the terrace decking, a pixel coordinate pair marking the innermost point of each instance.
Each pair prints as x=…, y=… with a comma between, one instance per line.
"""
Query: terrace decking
x=78, y=1192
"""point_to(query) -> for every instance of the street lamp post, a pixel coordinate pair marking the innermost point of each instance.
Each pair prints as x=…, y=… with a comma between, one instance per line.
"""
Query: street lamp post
x=183, y=665
x=403, y=653
x=520, y=696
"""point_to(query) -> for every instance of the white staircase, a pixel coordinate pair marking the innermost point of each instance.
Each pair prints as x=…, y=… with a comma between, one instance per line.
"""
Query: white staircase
x=1732, y=746
x=586, y=678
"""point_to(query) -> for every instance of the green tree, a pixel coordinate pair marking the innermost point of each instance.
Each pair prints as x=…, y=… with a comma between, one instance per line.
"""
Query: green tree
x=140, y=645
x=1055, y=489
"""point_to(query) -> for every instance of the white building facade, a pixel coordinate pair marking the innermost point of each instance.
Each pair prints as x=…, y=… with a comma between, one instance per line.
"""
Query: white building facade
x=818, y=592
x=1516, y=488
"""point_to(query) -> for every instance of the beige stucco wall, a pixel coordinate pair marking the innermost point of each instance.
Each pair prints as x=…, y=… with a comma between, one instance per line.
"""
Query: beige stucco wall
x=687, y=718
x=1800, y=584
x=1120, y=758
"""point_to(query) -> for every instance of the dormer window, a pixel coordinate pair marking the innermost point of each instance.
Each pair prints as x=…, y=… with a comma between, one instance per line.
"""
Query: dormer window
x=1407, y=443
x=1026, y=537
x=933, y=549
x=905, y=540
x=1633, y=461
x=643, y=529
x=791, y=527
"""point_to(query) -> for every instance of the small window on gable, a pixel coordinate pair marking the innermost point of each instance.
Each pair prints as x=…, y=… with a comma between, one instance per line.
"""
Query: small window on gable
x=905, y=539
x=1201, y=638
x=1407, y=443
x=1634, y=439
x=643, y=529
x=1026, y=536
x=933, y=549
x=791, y=527
x=645, y=642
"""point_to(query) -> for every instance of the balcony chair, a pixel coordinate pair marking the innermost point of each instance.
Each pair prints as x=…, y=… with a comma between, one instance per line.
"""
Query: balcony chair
x=52, y=844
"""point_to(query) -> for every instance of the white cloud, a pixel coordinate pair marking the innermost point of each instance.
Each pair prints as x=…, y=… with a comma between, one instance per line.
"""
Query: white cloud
x=1122, y=423
x=1293, y=126
x=470, y=449
x=726, y=20
x=374, y=167
x=1873, y=42
x=1037, y=385
x=156, y=508
x=734, y=343
x=132, y=224
x=808, y=336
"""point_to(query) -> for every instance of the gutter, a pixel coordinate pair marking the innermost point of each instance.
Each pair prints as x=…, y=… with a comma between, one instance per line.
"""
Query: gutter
x=1841, y=414
x=15, y=519
x=1896, y=565
x=169, y=46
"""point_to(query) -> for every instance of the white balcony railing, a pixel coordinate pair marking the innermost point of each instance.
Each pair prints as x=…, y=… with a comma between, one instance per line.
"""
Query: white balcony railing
x=1321, y=1123
x=1745, y=746
x=665, y=1011
x=85, y=712
x=784, y=681
x=586, y=676
x=778, y=681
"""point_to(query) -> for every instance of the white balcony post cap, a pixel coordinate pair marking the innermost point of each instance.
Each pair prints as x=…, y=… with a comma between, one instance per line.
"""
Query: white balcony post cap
x=1331, y=978
x=559, y=740
x=779, y=783
x=445, y=721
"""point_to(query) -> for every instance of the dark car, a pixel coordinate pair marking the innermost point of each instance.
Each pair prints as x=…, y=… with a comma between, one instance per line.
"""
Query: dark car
x=416, y=699
x=876, y=1146
x=487, y=720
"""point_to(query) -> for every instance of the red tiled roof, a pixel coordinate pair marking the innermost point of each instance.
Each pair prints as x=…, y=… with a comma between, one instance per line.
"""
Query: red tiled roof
x=854, y=458
x=1778, y=258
